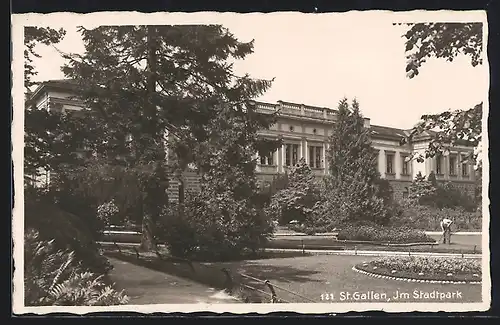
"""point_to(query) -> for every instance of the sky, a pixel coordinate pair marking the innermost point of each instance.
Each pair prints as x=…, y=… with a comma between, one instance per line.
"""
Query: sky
x=318, y=60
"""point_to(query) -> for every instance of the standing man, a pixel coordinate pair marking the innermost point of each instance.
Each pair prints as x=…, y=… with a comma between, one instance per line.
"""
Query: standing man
x=446, y=227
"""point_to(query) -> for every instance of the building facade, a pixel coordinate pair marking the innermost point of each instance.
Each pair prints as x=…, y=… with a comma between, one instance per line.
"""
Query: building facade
x=305, y=131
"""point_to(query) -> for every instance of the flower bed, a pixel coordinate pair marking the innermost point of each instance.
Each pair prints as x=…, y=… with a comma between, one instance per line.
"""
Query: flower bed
x=394, y=235
x=425, y=268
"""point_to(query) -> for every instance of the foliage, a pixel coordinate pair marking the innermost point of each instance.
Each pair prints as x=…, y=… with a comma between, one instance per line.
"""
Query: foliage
x=214, y=227
x=310, y=229
x=442, y=40
x=32, y=37
x=428, y=217
x=226, y=216
x=373, y=232
x=447, y=41
x=430, y=264
x=69, y=231
x=148, y=86
x=298, y=198
x=107, y=211
x=438, y=195
x=350, y=192
x=54, y=277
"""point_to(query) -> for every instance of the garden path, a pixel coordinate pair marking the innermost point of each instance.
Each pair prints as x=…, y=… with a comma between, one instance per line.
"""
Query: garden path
x=145, y=286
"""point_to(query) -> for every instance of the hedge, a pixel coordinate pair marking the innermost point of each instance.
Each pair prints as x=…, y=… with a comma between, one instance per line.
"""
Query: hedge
x=395, y=235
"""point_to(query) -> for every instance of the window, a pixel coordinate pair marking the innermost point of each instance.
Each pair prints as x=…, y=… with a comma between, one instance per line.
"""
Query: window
x=287, y=154
x=453, y=165
x=267, y=159
x=405, y=193
x=389, y=167
x=439, y=162
x=291, y=154
x=295, y=154
x=465, y=168
x=318, y=156
x=315, y=156
x=405, y=170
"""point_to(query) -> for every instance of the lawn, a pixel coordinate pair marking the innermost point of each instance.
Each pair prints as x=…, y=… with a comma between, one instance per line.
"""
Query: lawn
x=320, y=277
x=315, y=279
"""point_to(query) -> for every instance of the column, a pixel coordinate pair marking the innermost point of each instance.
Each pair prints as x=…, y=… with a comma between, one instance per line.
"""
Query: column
x=283, y=152
x=398, y=168
x=327, y=166
x=459, y=165
x=300, y=154
x=446, y=166
x=324, y=158
x=381, y=162
x=306, y=150
x=257, y=157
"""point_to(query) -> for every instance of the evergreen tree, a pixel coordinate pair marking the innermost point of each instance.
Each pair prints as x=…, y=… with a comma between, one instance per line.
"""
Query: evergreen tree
x=42, y=128
x=352, y=186
x=147, y=86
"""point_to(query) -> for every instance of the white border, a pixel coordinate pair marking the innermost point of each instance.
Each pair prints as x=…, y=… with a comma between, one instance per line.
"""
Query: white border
x=133, y=18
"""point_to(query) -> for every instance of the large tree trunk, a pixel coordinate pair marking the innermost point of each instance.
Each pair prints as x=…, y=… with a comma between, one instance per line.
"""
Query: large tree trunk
x=151, y=211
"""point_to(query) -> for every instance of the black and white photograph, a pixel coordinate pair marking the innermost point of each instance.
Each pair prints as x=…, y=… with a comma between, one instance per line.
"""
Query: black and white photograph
x=227, y=162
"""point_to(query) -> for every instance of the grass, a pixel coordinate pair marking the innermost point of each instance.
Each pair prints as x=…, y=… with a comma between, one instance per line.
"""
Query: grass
x=207, y=273
x=314, y=276
x=309, y=277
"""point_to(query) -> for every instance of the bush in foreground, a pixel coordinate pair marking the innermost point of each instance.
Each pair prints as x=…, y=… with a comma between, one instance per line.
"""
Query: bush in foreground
x=297, y=200
x=69, y=232
x=375, y=233
x=430, y=265
x=214, y=227
x=54, y=277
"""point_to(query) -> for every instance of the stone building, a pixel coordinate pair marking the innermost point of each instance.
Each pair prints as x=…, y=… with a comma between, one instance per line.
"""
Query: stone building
x=305, y=130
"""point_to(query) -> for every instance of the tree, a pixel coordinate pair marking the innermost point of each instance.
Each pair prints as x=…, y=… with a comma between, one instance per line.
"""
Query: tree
x=428, y=192
x=149, y=86
x=446, y=41
x=40, y=146
x=226, y=216
x=351, y=187
x=297, y=200
x=32, y=37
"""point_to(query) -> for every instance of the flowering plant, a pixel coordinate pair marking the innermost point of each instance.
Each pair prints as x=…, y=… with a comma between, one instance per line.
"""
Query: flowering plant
x=427, y=265
x=106, y=211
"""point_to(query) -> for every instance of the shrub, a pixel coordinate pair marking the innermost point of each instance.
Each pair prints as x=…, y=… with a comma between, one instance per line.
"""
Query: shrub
x=106, y=212
x=54, y=277
x=429, y=192
x=371, y=232
x=424, y=264
x=311, y=230
x=213, y=227
x=68, y=231
x=297, y=200
x=428, y=218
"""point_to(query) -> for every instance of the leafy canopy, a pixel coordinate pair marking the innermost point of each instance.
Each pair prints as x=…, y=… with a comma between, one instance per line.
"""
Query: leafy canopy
x=446, y=41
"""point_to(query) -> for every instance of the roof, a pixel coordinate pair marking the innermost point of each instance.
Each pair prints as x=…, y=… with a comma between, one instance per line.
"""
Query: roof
x=388, y=132
x=56, y=84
